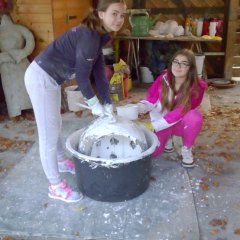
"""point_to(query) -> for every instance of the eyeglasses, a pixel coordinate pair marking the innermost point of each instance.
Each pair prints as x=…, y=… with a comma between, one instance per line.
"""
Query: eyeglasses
x=176, y=63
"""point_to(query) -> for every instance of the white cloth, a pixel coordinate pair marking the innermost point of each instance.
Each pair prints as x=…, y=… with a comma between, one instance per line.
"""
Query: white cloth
x=45, y=95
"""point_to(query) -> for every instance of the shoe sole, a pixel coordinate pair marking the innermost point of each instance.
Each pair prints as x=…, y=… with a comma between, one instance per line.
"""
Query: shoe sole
x=188, y=165
x=168, y=150
x=65, y=200
x=62, y=171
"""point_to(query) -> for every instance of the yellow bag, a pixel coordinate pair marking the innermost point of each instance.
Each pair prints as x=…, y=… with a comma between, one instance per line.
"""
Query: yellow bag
x=116, y=89
x=148, y=125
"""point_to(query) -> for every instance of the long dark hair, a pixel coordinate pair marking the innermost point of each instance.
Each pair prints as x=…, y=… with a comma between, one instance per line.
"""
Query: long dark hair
x=184, y=95
x=92, y=20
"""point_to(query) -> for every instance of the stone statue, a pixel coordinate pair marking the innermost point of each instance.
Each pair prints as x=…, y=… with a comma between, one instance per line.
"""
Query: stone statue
x=16, y=43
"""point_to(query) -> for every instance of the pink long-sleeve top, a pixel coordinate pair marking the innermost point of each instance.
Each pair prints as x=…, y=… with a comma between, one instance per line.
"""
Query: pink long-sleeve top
x=153, y=103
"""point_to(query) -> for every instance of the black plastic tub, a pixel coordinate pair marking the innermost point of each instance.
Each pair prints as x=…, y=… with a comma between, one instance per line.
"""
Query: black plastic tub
x=112, y=180
x=113, y=184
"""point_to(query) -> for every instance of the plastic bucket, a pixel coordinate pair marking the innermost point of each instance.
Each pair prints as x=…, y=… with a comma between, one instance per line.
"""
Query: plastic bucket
x=199, y=63
x=129, y=111
x=74, y=96
x=146, y=75
x=123, y=180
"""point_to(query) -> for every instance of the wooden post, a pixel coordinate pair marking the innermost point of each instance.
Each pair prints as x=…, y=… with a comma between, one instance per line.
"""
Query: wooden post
x=231, y=27
x=138, y=4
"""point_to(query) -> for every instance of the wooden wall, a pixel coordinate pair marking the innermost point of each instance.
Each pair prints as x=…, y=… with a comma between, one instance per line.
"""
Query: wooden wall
x=37, y=16
x=178, y=10
x=47, y=18
x=40, y=16
x=68, y=13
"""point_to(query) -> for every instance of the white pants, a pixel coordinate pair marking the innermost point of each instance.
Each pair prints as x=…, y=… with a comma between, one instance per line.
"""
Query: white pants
x=45, y=95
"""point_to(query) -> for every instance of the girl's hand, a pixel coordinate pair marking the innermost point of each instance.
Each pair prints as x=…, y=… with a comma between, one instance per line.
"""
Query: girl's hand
x=108, y=110
x=142, y=108
x=95, y=106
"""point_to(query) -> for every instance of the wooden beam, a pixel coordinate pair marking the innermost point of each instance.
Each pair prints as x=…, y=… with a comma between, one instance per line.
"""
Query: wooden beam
x=180, y=5
x=186, y=11
x=230, y=37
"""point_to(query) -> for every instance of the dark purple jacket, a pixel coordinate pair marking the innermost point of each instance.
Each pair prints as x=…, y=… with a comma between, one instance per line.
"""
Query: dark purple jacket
x=77, y=54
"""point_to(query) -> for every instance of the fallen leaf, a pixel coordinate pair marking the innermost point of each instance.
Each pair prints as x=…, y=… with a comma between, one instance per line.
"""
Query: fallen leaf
x=80, y=208
x=30, y=132
x=5, y=143
x=79, y=113
x=237, y=231
x=45, y=205
x=204, y=186
x=216, y=184
x=218, y=222
x=214, y=231
x=8, y=238
x=152, y=178
x=227, y=156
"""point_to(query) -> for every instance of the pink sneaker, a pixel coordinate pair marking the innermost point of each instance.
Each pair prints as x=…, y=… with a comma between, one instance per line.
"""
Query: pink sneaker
x=66, y=166
x=63, y=192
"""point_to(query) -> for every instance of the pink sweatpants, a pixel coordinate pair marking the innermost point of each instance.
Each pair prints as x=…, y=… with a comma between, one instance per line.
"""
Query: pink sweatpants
x=188, y=128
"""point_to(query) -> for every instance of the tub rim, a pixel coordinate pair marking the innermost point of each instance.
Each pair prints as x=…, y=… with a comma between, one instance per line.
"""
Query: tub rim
x=112, y=162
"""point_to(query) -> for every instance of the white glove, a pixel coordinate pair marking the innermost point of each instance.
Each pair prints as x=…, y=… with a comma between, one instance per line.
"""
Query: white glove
x=108, y=110
x=96, y=106
x=142, y=108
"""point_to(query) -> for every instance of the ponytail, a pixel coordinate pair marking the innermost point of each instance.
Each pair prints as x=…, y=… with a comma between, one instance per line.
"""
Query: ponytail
x=92, y=21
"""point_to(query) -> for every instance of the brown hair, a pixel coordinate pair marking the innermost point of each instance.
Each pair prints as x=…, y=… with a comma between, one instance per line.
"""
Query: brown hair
x=92, y=20
x=185, y=90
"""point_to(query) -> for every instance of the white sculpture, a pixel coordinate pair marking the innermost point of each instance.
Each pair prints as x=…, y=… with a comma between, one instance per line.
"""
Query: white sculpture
x=168, y=27
x=16, y=43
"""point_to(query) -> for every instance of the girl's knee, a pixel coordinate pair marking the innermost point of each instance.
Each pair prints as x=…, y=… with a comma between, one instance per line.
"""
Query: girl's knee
x=193, y=116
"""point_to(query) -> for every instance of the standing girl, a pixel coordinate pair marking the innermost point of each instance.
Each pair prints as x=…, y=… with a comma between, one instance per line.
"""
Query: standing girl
x=76, y=54
x=172, y=101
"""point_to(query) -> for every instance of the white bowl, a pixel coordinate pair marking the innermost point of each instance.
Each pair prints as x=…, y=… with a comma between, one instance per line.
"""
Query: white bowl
x=129, y=111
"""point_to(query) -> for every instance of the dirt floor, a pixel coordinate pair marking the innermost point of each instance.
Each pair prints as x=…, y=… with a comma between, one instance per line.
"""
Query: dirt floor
x=217, y=150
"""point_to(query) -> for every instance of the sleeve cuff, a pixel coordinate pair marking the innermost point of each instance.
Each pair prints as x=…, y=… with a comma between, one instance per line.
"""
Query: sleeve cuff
x=92, y=101
x=161, y=124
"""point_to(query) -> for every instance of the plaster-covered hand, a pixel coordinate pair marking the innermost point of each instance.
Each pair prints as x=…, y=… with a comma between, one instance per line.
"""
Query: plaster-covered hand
x=108, y=110
x=95, y=106
x=5, y=57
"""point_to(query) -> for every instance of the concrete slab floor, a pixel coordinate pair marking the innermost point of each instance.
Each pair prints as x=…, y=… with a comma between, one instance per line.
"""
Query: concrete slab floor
x=201, y=203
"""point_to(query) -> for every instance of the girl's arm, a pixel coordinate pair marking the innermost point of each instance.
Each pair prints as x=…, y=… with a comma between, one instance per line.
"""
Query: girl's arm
x=85, y=58
x=101, y=81
x=177, y=113
x=151, y=97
